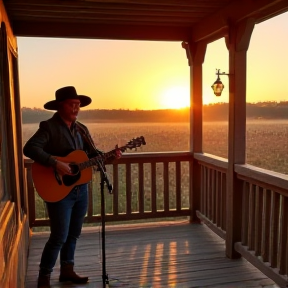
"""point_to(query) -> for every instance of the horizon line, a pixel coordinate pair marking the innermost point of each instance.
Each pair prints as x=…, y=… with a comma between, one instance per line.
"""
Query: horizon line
x=177, y=109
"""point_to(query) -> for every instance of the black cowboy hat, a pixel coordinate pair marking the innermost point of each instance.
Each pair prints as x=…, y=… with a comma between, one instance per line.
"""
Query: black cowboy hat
x=65, y=93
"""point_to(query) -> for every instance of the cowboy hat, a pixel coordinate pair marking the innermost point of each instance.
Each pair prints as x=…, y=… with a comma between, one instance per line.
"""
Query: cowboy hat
x=65, y=93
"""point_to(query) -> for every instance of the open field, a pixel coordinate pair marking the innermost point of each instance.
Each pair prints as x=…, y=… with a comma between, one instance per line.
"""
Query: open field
x=266, y=140
x=267, y=147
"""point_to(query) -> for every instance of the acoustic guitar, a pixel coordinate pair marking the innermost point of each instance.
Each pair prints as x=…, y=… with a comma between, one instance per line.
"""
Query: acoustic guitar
x=53, y=187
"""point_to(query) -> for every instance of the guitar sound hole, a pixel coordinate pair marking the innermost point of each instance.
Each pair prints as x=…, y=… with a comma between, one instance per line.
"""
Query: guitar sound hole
x=69, y=180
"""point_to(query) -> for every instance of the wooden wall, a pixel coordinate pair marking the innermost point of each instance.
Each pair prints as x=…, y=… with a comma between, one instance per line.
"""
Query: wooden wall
x=14, y=226
x=14, y=241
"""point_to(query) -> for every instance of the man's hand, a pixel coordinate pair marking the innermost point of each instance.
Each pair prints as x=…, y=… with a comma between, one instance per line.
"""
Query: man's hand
x=63, y=168
x=118, y=152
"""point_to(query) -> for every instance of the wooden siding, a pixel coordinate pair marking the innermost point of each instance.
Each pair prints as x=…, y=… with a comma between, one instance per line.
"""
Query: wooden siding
x=14, y=241
x=154, y=255
x=14, y=228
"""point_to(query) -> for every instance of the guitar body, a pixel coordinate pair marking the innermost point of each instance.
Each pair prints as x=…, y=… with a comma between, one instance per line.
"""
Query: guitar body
x=53, y=187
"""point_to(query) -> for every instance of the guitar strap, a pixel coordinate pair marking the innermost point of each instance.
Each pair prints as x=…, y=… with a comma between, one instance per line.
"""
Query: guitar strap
x=88, y=139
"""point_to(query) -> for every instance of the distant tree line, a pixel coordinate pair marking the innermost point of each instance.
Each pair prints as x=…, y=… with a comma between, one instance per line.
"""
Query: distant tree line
x=259, y=110
x=211, y=112
x=34, y=115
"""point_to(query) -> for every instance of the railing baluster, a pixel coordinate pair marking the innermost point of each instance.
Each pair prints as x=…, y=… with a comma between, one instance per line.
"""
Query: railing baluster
x=128, y=188
x=141, y=188
x=251, y=217
x=283, y=236
x=245, y=214
x=204, y=195
x=153, y=188
x=208, y=193
x=265, y=252
x=90, y=200
x=202, y=191
x=258, y=219
x=224, y=189
x=115, y=189
x=166, y=186
x=178, y=185
x=213, y=196
x=218, y=198
x=275, y=207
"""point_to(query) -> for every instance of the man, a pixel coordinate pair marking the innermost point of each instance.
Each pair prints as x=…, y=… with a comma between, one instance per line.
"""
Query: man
x=58, y=136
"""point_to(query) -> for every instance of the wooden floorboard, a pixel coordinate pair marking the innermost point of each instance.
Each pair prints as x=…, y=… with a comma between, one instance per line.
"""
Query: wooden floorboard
x=158, y=255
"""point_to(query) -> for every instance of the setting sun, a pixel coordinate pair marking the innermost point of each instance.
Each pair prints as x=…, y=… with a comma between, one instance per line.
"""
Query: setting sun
x=175, y=97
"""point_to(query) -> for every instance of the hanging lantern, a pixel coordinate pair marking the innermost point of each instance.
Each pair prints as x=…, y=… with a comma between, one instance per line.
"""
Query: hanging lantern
x=217, y=87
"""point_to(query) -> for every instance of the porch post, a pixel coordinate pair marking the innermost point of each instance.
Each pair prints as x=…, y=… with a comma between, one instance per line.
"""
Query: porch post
x=237, y=43
x=195, y=54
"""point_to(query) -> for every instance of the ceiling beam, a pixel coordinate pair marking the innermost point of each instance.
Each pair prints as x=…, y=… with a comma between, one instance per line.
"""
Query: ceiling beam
x=101, y=31
x=135, y=3
x=235, y=12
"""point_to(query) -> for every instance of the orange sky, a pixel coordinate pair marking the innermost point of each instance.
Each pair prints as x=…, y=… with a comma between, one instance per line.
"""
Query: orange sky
x=148, y=75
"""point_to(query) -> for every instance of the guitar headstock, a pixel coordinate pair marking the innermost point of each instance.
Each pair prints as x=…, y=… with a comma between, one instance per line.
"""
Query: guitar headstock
x=135, y=142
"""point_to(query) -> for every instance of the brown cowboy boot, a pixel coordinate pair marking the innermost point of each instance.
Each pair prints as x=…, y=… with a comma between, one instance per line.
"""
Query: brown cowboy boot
x=44, y=281
x=67, y=274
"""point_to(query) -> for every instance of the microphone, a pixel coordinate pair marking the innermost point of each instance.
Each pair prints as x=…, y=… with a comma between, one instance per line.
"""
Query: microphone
x=110, y=188
x=109, y=185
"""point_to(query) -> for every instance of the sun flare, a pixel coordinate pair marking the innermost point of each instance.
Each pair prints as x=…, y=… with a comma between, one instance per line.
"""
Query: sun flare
x=175, y=97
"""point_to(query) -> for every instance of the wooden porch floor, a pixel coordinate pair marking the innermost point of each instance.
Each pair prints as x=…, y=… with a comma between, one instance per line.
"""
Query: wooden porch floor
x=158, y=255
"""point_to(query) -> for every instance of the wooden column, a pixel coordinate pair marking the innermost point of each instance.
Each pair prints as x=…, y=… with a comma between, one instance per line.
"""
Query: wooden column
x=237, y=43
x=195, y=54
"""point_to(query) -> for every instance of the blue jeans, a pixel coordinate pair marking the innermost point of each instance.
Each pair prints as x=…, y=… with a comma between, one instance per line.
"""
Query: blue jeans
x=66, y=219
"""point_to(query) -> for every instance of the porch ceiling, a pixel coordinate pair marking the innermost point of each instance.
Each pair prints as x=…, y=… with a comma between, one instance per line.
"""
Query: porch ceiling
x=171, y=20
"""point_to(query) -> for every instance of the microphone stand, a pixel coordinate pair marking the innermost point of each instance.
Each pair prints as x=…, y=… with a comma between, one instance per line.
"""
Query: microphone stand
x=104, y=179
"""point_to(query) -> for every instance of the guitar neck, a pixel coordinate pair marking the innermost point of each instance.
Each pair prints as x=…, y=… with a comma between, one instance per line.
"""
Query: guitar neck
x=95, y=160
x=134, y=143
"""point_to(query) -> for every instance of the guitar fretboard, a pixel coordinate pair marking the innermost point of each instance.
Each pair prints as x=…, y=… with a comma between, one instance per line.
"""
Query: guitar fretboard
x=111, y=154
x=95, y=160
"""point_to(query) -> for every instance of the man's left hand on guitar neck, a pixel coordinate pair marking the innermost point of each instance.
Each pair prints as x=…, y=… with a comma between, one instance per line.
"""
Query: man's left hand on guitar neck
x=118, y=152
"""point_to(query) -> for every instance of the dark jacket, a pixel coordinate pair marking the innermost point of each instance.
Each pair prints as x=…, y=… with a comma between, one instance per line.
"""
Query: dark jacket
x=54, y=138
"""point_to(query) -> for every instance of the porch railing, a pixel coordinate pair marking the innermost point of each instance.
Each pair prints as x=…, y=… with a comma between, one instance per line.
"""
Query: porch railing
x=213, y=192
x=264, y=224
x=264, y=237
x=156, y=185
x=146, y=185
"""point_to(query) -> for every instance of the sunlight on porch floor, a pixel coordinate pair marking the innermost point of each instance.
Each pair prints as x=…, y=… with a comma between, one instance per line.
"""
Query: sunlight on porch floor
x=156, y=255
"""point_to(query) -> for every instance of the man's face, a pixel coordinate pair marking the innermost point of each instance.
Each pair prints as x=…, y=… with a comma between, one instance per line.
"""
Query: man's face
x=69, y=109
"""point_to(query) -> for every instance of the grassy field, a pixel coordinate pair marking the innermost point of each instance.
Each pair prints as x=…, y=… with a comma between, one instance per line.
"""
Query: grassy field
x=266, y=141
x=266, y=147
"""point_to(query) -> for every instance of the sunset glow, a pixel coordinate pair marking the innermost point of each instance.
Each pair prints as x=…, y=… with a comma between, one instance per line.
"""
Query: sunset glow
x=148, y=74
x=175, y=97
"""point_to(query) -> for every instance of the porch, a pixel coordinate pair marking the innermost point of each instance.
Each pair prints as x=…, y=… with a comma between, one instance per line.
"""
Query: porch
x=180, y=184
x=243, y=205
x=163, y=254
